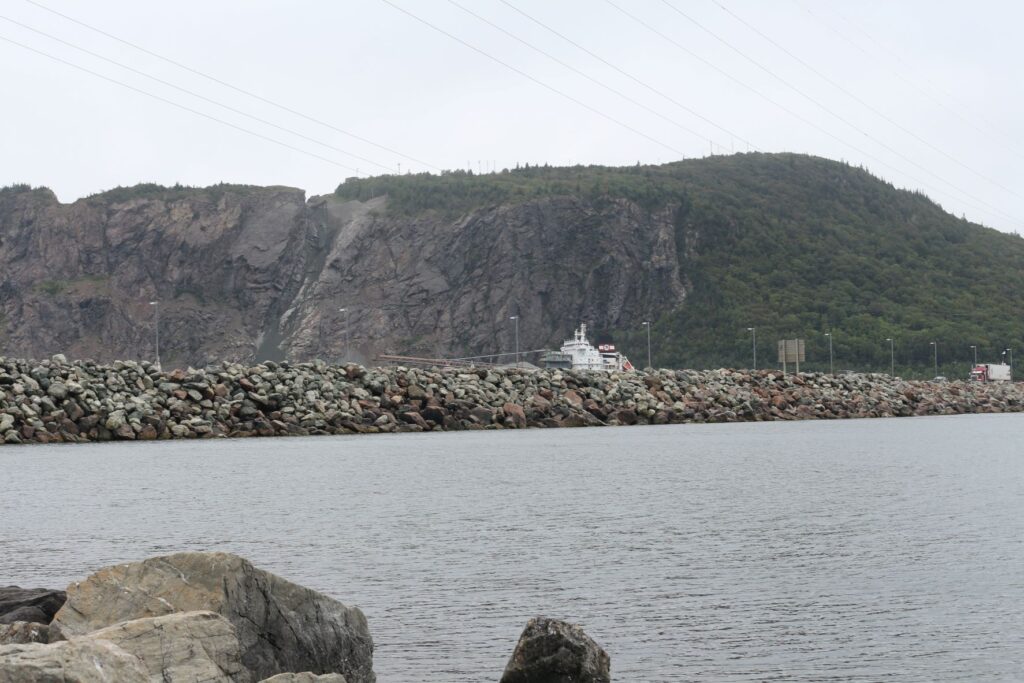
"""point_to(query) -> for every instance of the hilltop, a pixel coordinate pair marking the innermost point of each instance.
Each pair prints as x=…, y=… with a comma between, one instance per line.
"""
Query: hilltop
x=435, y=264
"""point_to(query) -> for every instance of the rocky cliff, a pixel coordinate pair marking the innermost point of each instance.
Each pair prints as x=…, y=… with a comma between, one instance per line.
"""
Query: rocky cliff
x=246, y=273
x=436, y=265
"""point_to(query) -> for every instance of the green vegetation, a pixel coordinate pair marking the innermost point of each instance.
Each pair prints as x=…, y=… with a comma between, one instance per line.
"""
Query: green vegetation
x=154, y=191
x=795, y=246
x=52, y=287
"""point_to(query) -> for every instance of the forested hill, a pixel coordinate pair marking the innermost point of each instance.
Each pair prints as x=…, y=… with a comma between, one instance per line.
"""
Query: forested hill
x=793, y=245
x=435, y=265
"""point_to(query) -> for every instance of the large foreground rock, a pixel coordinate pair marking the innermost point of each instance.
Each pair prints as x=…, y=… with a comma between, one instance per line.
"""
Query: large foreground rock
x=553, y=651
x=181, y=648
x=282, y=627
x=83, y=660
x=29, y=604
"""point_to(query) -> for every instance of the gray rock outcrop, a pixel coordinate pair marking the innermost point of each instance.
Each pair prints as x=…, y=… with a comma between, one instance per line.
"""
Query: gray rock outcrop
x=36, y=605
x=553, y=651
x=181, y=647
x=82, y=660
x=282, y=627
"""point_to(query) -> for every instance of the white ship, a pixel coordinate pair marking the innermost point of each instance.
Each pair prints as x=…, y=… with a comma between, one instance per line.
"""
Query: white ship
x=578, y=354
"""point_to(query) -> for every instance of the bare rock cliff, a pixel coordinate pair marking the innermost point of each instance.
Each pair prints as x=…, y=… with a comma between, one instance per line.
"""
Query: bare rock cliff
x=253, y=273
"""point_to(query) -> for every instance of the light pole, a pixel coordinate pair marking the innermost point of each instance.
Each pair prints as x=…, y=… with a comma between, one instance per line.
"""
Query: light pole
x=829, y=335
x=1010, y=351
x=647, y=324
x=892, y=356
x=516, y=319
x=936, y=348
x=156, y=331
x=344, y=356
x=753, y=335
x=974, y=347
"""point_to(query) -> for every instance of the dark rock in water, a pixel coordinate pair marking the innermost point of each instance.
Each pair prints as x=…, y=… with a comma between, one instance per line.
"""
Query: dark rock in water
x=305, y=677
x=553, y=651
x=37, y=605
x=21, y=632
x=281, y=626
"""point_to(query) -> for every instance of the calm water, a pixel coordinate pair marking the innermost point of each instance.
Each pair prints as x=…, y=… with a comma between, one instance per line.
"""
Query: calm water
x=858, y=550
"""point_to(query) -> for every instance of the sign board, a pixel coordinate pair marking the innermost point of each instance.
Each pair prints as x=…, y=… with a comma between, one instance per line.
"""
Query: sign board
x=791, y=351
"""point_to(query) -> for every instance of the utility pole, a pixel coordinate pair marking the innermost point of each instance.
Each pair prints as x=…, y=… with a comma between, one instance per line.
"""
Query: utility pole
x=1010, y=351
x=516, y=319
x=647, y=324
x=892, y=356
x=829, y=335
x=156, y=331
x=344, y=355
x=975, y=348
x=936, y=348
x=753, y=334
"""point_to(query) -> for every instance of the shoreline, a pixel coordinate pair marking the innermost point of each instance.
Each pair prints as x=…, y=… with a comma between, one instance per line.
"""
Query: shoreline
x=55, y=400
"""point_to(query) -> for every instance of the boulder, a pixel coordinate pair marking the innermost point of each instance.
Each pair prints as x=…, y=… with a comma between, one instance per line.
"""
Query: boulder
x=553, y=651
x=29, y=604
x=82, y=660
x=305, y=677
x=21, y=632
x=281, y=626
x=186, y=647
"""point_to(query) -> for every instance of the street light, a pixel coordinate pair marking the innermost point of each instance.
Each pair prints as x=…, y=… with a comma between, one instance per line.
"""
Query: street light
x=647, y=324
x=516, y=318
x=345, y=353
x=975, y=349
x=829, y=335
x=156, y=331
x=892, y=357
x=936, y=348
x=753, y=334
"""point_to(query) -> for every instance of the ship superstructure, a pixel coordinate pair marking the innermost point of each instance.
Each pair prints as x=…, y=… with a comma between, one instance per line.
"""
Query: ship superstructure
x=579, y=354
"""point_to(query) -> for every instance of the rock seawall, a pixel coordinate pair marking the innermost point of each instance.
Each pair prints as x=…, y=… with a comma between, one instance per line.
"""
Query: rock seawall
x=59, y=401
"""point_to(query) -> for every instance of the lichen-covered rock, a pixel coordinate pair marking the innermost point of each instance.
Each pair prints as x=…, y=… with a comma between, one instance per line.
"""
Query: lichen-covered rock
x=281, y=626
x=553, y=651
x=21, y=632
x=82, y=660
x=29, y=604
x=182, y=647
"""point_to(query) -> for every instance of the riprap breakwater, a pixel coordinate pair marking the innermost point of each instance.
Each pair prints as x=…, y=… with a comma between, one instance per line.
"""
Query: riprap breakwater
x=57, y=400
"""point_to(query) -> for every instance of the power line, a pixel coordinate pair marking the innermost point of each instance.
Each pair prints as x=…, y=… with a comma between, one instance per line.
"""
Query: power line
x=909, y=81
x=580, y=72
x=531, y=78
x=824, y=107
x=791, y=112
x=226, y=84
x=629, y=75
x=176, y=104
x=197, y=95
x=865, y=104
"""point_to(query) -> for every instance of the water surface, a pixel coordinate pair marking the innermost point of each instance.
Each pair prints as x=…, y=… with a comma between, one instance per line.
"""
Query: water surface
x=850, y=550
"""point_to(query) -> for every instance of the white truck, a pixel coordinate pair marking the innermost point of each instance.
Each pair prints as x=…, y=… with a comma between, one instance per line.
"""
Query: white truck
x=991, y=372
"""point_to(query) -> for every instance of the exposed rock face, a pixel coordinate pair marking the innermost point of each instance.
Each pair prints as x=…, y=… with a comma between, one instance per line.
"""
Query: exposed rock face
x=27, y=604
x=553, y=651
x=281, y=626
x=21, y=632
x=246, y=273
x=189, y=646
x=82, y=660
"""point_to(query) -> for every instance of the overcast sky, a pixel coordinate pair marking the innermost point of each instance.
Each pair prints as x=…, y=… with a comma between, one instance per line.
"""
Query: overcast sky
x=927, y=94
